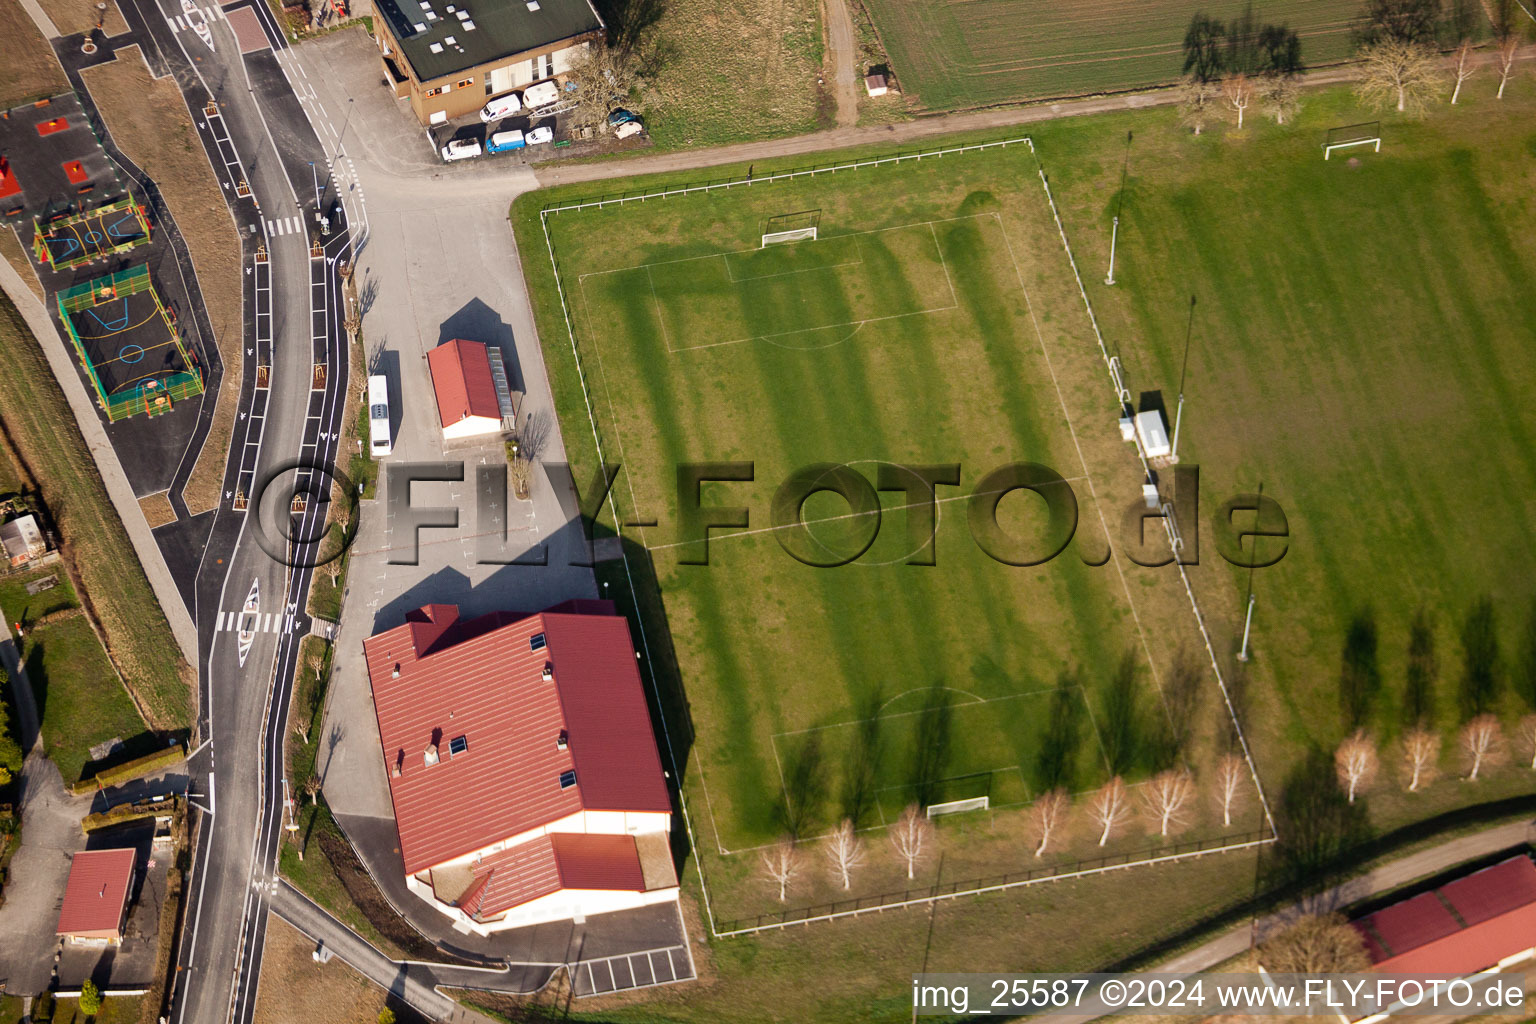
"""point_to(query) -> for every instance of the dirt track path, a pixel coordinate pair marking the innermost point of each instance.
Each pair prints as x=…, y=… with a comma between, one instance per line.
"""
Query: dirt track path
x=842, y=56
x=911, y=131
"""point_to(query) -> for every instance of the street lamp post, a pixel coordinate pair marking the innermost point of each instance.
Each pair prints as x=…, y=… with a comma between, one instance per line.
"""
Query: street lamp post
x=1242, y=655
x=1114, y=231
x=1178, y=418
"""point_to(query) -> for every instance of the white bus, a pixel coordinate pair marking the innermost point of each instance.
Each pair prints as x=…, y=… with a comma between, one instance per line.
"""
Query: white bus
x=379, y=441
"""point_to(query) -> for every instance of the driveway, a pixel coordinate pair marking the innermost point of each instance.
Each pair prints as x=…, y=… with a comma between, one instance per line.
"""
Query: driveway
x=438, y=262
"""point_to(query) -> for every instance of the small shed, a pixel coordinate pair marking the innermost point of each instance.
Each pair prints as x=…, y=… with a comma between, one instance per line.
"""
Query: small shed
x=96, y=896
x=473, y=398
x=1152, y=434
x=22, y=540
x=876, y=84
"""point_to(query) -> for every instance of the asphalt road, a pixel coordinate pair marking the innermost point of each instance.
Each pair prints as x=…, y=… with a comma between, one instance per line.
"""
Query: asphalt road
x=293, y=321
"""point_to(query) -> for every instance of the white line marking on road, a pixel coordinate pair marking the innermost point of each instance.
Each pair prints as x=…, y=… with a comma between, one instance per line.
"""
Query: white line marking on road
x=179, y=26
x=220, y=624
x=266, y=621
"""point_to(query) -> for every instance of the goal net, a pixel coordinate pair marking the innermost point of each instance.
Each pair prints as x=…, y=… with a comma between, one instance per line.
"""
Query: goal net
x=1367, y=134
x=791, y=227
x=975, y=803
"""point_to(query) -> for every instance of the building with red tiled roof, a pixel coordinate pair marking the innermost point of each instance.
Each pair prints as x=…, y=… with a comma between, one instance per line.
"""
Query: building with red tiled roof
x=524, y=773
x=1484, y=921
x=96, y=896
x=473, y=398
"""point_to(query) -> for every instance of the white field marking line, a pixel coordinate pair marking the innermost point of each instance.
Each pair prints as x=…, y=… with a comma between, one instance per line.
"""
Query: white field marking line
x=1098, y=507
x=923, y=689
x=709, y=804
x=828, y=238
x=1168, y=509
x=1000, y=887
x=661, y=321
x=613, y=508
x=857, y=326
x=730, y=275
x=973, y=702
x=953, y=298
x=832, y=519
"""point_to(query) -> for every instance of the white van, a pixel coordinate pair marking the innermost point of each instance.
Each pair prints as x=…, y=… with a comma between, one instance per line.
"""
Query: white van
x=500, y=107
x=380, y=443
x=541, y=95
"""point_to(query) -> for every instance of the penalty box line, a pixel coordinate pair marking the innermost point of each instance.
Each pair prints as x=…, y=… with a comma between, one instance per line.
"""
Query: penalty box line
x=857, y=325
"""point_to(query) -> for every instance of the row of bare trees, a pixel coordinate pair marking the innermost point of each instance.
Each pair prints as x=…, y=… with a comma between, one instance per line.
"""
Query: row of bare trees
x=1481, y=741
x=1166, y=800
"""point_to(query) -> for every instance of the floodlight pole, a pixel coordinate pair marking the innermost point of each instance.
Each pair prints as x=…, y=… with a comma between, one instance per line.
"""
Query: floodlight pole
x=1114, y=235
x=1114, y=232
x=1178, y=417
x=1242, y=655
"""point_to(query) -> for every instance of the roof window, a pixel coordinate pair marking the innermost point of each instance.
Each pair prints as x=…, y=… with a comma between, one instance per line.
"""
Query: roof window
x=458, y=745
x=567, y=779
x=536, y=642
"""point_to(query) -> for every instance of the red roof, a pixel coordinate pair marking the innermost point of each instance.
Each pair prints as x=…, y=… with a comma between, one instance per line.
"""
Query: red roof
x=461, y=376
x=436, y=678
x=562, y=860
x=96, y=892
x=1463, y=927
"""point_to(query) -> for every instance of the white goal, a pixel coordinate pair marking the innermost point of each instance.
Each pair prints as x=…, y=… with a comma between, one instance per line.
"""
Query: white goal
x=791, y=227
x=795, y=235
x=1367, y=134
x=975, y=803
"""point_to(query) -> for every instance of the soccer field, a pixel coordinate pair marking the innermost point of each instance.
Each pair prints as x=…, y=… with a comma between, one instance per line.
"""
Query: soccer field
x=1362, y=346
x=902, y=334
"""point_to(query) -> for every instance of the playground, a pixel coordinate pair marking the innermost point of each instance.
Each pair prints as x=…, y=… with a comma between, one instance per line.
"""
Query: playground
x=80, y=238
x=128, y=344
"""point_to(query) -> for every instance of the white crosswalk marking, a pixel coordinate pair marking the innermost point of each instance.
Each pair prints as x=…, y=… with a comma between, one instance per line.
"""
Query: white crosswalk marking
x=266, y=621
x=220, y=625
x=180, y=27
x=293, y=224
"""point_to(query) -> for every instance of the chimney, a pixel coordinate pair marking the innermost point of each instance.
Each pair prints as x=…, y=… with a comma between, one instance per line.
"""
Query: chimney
x=549, y=672
x=396, y=673
x=563, y=740
x=429, y=756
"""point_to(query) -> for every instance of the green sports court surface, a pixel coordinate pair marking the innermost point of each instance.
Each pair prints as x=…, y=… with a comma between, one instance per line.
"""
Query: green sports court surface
x=902, y=334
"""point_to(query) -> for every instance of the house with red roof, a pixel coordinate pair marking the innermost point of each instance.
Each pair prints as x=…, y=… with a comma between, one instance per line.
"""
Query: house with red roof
x=473, y=397
x=522, y=765
x=1485, y=921
x=96, y=896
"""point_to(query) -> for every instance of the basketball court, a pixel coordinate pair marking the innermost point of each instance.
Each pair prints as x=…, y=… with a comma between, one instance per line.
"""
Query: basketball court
x=73, y=240
x=128, y=344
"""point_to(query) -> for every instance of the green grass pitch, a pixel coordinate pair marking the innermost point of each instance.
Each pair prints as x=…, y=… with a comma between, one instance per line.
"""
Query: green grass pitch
x=904, y=334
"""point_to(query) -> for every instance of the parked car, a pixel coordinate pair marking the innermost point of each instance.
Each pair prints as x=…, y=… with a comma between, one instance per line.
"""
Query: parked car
x=541, y=95
x=500, y=107
x=501, y=142
x=539, y=136
x=461, y=149
x=621, y=116
x=627, y=129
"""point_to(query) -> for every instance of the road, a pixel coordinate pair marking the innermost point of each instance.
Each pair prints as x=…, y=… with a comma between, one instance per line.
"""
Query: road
x=293, y=322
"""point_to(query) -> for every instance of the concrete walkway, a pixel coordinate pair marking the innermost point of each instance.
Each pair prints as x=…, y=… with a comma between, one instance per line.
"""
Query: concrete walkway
x=118, y=489
x=415, y=984
x=44, y=23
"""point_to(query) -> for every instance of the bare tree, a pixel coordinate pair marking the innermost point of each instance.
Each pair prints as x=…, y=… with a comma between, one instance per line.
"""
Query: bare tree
x=912, y=836
x=1281, y=95
x=1527, y=733
x=312, y=786
x=782, y=864
x=1464, y=68
x=1398, y=72
x=844, y=851
x=1356, y=763
x=1506, y=56
x=1167, y=795
x=1314, y=944
x=1046, y=815
x=1230, y=771
x=1481, y=739
x=1237, y=91
x=1421, y=749
x=1110, y=806
x=1196, y=97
